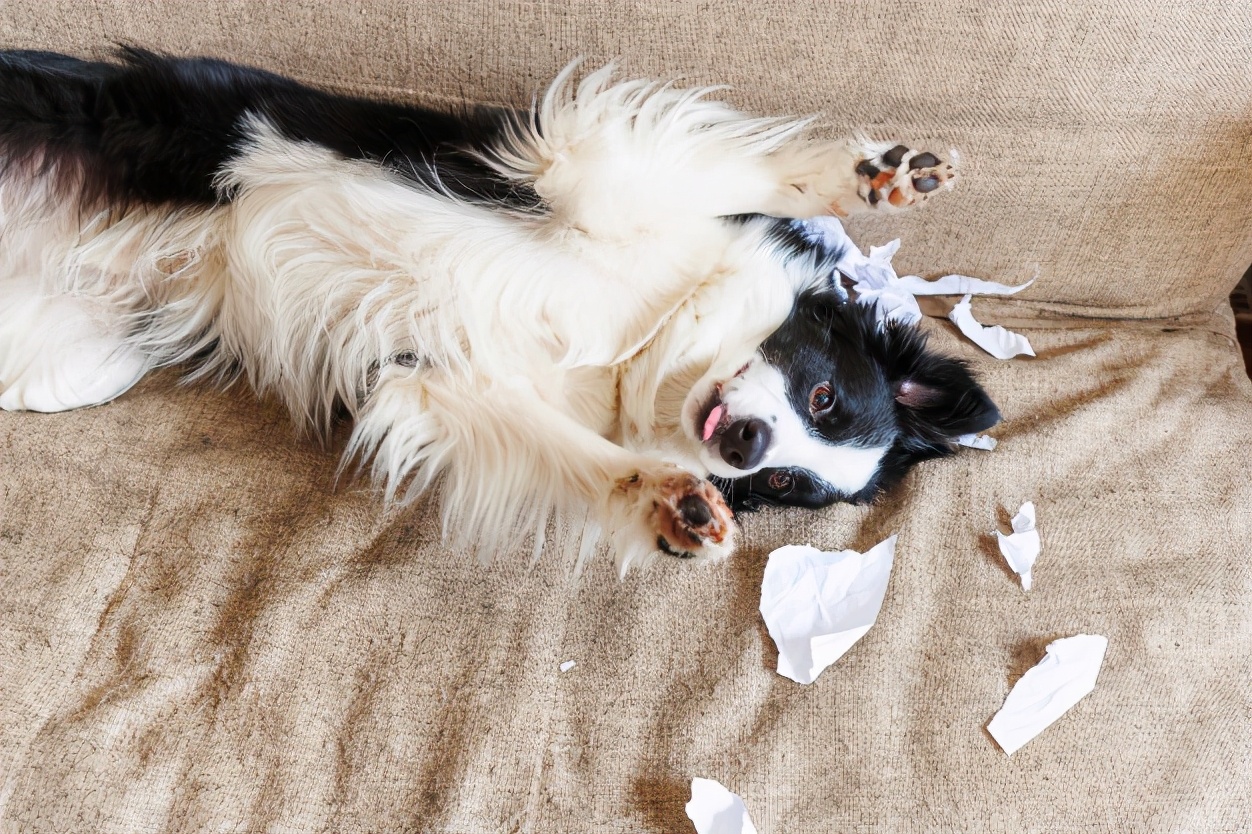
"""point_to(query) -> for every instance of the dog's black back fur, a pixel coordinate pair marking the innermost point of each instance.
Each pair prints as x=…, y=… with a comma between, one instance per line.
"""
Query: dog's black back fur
x=152, y=129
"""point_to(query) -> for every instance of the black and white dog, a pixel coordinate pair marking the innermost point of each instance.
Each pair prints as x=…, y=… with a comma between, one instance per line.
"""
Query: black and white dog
x=590, y=307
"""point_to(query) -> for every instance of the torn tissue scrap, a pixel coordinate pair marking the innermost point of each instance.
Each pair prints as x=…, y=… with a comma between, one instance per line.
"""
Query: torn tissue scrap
x=1000, y=343
x=816, y=605
x=1021, y=548
x=715, y=810
x=1064, y=677
x=895, y=297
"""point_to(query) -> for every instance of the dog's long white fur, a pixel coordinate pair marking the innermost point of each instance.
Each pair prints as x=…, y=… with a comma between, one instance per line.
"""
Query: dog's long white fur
x=555, y=351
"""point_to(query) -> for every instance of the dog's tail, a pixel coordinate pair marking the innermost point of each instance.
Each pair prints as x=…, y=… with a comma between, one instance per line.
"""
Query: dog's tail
x=115, y=133
x=154, y=129
x=45, y=111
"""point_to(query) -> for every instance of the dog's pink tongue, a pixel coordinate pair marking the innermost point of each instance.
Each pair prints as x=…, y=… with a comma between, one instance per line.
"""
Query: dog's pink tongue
x=715, y=417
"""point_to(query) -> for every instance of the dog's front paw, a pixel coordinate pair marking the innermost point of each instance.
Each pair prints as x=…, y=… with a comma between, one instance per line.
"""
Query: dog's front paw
x=900, y=176
x=685, y=516
x=691, y=519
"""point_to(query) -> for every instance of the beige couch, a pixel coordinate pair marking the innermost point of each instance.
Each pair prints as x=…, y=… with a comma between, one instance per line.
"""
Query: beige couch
x=199, y=633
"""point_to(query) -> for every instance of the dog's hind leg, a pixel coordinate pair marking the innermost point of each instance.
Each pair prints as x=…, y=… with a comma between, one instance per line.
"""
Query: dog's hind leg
x=62, y=342
x=88, y=306
x=61, y=351
x=504, y=459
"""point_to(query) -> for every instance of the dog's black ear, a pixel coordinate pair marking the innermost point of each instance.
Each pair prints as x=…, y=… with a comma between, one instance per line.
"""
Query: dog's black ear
x=937, y=397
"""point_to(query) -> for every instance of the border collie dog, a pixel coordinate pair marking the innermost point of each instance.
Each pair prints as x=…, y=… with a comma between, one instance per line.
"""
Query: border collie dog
x=605, y=305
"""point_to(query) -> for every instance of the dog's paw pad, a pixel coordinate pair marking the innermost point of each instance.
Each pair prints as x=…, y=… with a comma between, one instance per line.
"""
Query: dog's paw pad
x=901, y=177
x=691, y=518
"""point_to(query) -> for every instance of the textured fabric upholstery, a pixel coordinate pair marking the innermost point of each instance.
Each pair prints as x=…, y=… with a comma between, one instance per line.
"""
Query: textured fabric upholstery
x=200, y=632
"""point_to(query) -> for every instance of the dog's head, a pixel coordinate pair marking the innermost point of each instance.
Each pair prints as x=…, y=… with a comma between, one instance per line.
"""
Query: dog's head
x=831, y=407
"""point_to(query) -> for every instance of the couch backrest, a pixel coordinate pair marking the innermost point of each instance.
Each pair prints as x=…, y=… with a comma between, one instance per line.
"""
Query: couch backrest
x=1107, y=145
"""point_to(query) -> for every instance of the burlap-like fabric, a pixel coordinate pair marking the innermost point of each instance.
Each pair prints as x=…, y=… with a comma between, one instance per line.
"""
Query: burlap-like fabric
x=199, y=633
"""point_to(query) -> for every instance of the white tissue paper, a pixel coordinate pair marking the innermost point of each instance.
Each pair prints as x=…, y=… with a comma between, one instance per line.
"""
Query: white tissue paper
x=816, y=605
x=1066, y=674
x=567, y=665
x=715, y=810
x=977, y=441
x=1021, y=548
x=1000, y=343
x=875, y=279
x=959, y=285
x=876, y=282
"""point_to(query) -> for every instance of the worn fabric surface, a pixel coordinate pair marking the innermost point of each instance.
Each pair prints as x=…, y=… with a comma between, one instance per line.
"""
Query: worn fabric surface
x=199, y=632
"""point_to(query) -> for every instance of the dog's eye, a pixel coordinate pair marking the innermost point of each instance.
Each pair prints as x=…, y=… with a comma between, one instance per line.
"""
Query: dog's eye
x=405, y=359
x=780, y=481
x=821, y=399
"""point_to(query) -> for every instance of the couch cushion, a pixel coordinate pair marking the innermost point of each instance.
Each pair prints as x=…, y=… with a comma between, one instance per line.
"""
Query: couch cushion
x=1104, y=144
x=198, y=633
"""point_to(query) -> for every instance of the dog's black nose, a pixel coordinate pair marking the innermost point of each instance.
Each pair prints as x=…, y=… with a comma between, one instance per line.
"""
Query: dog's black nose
x=744, y=443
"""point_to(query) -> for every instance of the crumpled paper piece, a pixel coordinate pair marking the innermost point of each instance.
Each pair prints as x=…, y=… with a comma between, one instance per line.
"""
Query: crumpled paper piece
x=875, y=279
x=1021, y=548
x=1000, y=343
x=1066, y=674
x=816, y=604
x=977, y=441
x=715, y=810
